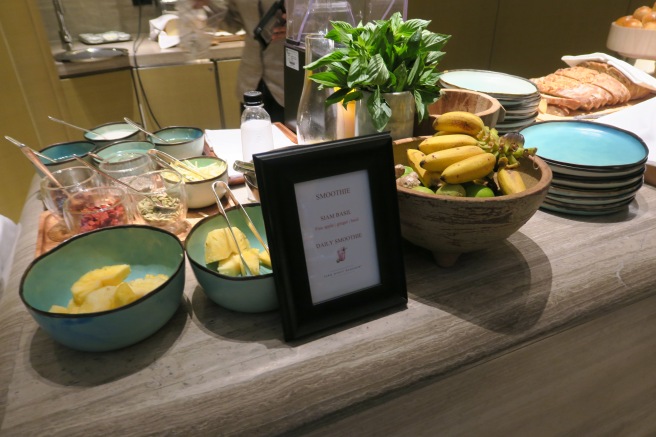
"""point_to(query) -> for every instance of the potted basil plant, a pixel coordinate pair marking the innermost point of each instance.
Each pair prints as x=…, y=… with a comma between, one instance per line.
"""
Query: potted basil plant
x=380, y=58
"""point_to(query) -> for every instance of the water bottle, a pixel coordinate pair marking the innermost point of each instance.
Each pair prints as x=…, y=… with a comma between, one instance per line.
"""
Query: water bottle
x=256, y=134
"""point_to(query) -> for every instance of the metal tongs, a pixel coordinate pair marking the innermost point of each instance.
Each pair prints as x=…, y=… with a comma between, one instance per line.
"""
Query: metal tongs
x=165, y=160
x=251, y=226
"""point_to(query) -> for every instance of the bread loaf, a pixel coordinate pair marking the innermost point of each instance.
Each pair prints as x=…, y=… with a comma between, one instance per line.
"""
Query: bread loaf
x=636, y=91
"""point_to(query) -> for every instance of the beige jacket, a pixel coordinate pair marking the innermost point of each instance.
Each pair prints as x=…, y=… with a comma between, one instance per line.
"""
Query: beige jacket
x=234, y=15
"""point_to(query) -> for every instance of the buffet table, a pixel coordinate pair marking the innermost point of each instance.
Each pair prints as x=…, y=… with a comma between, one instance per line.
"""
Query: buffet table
x=551, y=333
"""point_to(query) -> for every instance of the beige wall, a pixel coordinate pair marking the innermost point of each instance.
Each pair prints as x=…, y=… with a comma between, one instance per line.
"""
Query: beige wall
x=30, y=93
x=525, y=38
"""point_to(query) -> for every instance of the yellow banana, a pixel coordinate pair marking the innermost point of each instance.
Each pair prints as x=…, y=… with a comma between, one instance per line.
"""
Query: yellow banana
x=459, y=122
x=510, y=181
x=469, y=169
x=443, y=142
x=428, y=178
x=438, y=161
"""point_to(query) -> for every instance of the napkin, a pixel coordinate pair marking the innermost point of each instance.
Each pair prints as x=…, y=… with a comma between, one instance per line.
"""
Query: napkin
x=634, y=74
x=158, y=31
x=8, y=237
x=226, y=144
x=639, y=119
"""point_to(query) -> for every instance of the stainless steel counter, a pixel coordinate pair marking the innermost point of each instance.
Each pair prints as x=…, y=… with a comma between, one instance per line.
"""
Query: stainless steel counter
x=570, y=285
x=148, y=54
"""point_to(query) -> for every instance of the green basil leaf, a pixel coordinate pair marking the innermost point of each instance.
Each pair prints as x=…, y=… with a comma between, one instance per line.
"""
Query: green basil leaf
x=379, y=110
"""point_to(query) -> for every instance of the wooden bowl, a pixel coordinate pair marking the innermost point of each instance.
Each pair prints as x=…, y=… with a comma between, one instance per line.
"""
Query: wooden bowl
x=450, y=226
x=483, y=105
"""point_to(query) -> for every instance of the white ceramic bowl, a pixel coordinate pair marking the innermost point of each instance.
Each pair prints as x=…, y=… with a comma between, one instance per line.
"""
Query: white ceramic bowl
x=200, y=193
x=109, y=133
x=182, y=142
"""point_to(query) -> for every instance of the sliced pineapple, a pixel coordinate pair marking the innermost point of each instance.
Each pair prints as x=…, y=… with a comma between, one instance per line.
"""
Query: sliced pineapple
x=265, y=259
x=98, y=278
x=230, y=266
x=101, y=299
x=252, y=260
x=123, y=295
x=143, y=286
x=217, y=247
x=58, y=309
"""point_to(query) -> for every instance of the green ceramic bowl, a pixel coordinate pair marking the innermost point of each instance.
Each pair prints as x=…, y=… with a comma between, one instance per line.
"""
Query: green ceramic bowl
x=250, y=294
x=48, y=280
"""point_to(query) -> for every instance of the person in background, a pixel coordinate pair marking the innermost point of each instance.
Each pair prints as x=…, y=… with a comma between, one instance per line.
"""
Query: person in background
x=261, y=69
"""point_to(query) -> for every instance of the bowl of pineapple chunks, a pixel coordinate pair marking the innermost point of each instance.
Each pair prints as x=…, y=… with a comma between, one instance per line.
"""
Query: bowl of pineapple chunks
x=106, y=289
x=466, y=188
x=211, y=248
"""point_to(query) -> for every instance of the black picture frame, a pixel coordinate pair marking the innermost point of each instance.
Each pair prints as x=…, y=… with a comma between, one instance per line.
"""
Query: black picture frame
x=297, y=187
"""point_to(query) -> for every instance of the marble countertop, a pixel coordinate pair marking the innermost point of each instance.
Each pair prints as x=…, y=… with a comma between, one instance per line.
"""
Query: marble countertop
x=211, y=371
x=148, y=54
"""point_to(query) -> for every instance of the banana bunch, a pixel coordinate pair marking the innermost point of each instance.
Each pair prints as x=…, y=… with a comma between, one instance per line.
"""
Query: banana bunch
x=507, y=149
x=465, y=155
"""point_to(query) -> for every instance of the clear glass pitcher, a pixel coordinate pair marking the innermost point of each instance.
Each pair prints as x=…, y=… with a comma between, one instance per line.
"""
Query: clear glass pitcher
x=315, y=122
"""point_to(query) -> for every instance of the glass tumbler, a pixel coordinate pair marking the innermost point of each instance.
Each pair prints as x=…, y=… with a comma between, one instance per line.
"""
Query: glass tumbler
x=95, y=208
x=161, y=201
x=123, y=165
x=72, y=180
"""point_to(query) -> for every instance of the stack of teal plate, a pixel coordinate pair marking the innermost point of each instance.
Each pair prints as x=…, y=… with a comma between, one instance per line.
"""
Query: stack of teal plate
x=597, y=168
x=518, y=96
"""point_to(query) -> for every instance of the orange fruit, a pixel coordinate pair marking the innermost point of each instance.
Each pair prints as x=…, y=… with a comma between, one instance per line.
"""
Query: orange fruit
x=628, y=21
x=641, y=12
x=649, y=17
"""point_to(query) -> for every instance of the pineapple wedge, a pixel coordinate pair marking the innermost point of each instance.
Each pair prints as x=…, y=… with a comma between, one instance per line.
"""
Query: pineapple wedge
x=98, y=300
x=58, y=309
x=265, y=259
x=143, y=286
x=219, y=244
x=217, y=247
x=230, y=266
x=98, y=278
x=123, y=295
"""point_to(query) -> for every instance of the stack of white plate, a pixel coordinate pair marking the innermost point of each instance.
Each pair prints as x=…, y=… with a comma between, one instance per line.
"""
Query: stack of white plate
x=597, y=168
x=519, y=97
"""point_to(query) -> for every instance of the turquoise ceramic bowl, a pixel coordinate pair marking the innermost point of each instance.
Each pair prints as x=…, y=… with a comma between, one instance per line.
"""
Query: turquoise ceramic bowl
x=109, y=133
x=64, y=154
x=48, y=280
x=109, y=150
x=251, y=294
x=181, y=142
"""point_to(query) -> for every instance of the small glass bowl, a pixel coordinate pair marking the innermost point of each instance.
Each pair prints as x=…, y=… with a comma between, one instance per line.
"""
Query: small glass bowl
x=95, y=208
x=72, y=180
x=122, y=165
x=162, y=201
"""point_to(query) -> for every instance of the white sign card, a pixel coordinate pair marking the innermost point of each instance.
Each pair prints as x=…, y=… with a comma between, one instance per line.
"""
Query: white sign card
x=337, y=228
